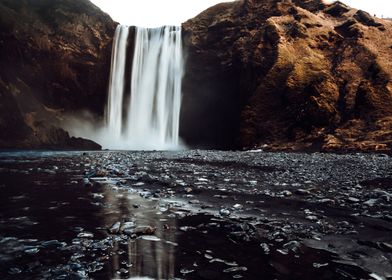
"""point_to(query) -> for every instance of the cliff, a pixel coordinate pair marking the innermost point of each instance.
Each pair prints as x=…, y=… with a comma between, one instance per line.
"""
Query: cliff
x=54, y=60
x=288, y=75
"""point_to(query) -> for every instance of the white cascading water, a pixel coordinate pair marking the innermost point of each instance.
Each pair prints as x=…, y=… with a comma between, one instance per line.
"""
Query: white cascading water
x=117, y=81
x=150, y=120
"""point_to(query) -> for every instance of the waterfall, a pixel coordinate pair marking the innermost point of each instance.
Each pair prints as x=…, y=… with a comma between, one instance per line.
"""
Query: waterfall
x=116, y=85
x=149, y=118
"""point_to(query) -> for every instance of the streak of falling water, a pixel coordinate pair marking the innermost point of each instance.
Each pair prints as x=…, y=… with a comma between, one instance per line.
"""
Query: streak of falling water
x=117, y=81
x=153, y=112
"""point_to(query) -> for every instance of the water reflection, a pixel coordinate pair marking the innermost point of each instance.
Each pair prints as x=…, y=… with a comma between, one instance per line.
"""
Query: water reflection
x=147, y=255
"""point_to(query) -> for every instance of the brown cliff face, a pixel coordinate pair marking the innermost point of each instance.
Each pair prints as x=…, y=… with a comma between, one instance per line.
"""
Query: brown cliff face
x=54, y=59
x=291, y=75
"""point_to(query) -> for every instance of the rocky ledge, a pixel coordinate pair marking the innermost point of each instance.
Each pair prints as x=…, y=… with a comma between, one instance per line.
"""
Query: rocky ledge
x=55, y=60
x=288, y=75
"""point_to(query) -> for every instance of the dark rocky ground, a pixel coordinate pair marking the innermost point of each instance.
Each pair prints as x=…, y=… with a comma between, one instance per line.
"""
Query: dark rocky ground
x=195, y=215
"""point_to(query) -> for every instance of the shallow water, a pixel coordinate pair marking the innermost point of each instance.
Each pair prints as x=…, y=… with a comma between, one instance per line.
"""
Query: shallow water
x=193, y=215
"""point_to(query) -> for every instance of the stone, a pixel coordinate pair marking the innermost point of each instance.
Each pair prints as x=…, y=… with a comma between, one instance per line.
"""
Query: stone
x=294, y=246
x=224, y=212
x=371, y=202
x=194, y=201
x=144, y=230
x=353, y=199
x=235, y=269
x=238, y=206
x=265, y=248
x=287, y=193
x=311, y=218
x=302, y=192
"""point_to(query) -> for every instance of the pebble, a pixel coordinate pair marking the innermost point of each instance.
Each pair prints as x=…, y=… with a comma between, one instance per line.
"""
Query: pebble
x=302, y=192
x=194, y=201
x=235, y=269
x=265, y=248
x=287, y=193
x=115, y=228
x=188, y=190
x=318, y=265
x=353, y=199
x=371, y=202
x=85, y=235
x=32, y=251
x=238, y=206
x=224, y=212
x=150, y=238
x=186, y=271
x=187, y=228
x=144, y=230
x=293, y=246
x=14, y=270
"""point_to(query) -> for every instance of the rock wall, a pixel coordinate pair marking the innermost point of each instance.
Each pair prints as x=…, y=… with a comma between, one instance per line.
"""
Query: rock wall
x=54, y=60
x=288, y=75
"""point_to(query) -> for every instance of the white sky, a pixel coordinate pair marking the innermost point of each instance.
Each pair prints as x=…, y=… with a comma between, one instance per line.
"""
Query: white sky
x=154, y=13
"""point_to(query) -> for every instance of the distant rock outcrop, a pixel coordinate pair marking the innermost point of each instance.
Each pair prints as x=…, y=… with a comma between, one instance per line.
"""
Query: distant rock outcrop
x=54, y=59
x=288, y=75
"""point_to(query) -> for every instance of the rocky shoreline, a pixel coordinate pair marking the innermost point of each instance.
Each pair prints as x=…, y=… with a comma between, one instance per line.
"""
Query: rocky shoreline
x=196, y=215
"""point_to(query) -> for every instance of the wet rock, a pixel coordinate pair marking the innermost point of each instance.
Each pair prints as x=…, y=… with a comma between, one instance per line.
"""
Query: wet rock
x=53, y=243
x=229, y=263
x=87, y=182
x=386, y=246
x=14, y=270
x=144, y=230
x=371, y=202
x=238, y=206
x=127, y=227
x=150, y=238
x=31, y=251
x=353, y=200
x=326, y=201
x=283, y=252
x=115, y=228
x=187, y=228
x=265, y=248
x=224, y=212
x=294, y=246
x=319, y=265
x=286, y=193
x=85, y=235
x=194, y=201
x=188, y=190
x=302, y=192
x=186, y=271
x=311, y=218
x=235, y=269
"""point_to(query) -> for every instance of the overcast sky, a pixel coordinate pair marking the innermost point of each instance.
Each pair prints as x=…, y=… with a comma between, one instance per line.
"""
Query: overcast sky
x=153, y=13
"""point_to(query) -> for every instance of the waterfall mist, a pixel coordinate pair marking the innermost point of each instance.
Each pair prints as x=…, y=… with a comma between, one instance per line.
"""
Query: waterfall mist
x=146, y=116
